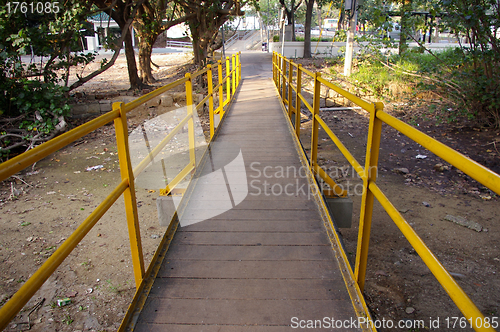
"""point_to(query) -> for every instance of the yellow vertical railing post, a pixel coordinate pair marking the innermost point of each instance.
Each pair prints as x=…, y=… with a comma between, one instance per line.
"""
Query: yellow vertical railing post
x=298, y=101
x=283, y=76
x=315, y=124
x=239, y=67
x=210, y=100
x=290, y=78
x=121, y=131
x=228, y=82
x=233, y=74
x=365, y=218
x=190, y=112
x=221, y=92
x=279, y=66
x=278, y=77
x=274, y=69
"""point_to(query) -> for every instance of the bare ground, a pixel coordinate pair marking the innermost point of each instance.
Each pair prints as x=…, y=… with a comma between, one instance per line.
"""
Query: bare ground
x=45, y=203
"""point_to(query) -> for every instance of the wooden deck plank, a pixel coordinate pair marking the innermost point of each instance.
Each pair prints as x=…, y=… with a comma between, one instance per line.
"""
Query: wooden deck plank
x=251, y=225
x=252, y=289
x=237, y=253
x=242, y=312
x=249, y=269
x=254, y=238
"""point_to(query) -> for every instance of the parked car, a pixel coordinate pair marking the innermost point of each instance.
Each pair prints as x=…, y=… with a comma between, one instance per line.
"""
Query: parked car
x=299, y=28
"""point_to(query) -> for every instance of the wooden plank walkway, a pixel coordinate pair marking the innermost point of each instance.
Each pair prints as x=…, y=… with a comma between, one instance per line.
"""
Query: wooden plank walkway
x=265, y=260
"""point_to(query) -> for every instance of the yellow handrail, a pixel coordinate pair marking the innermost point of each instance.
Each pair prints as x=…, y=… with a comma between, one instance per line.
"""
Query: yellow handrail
x=369, y=175
x=18, y=163
x=126, y=187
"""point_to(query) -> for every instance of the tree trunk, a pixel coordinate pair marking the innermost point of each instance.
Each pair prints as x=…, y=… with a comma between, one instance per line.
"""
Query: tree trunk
x=200, y=44
x=307, y=28
x=135, y=82
x=145, y=70
x=405, y=28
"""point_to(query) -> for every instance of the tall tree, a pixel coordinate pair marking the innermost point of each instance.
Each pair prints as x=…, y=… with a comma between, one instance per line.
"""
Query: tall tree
x=153, y=18
x=290, y=13
x=307, y=28
x=405, y=26
x=123, y=11
x=205, y=19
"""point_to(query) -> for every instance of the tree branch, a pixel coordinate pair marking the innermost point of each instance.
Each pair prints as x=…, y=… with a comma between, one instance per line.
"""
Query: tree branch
x=118, y=47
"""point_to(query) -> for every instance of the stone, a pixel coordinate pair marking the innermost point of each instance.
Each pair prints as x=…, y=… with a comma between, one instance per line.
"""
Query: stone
x=124, y=99
x=94, y=108
x=179, y=96
x=166, y=100
x=198, y=98
x=464, y=222
x=402, y=170
x=152, y=103
x=440, y=168
x=79, y=109
x=105, y=108
x=410, y=310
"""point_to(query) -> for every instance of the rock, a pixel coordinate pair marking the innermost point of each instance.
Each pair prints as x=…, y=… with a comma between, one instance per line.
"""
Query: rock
x=464, y=222
x=71, y=294
x=410, y=310
x=402, y=170
x=197, y=98
x=155, y=236
x=441, y=168
x=426, y=204
x=330, y=103
x=79, y=109
x=153, y=102
x=126, y=99
x=457, y=275
x=166, y=100
x=105, y=108
x=179, y=96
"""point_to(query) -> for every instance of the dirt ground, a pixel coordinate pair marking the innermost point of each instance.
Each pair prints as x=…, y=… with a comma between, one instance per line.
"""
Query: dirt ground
x=44, y=204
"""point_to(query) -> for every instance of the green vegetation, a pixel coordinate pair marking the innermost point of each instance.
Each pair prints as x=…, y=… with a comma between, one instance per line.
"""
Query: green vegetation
x=33, y=104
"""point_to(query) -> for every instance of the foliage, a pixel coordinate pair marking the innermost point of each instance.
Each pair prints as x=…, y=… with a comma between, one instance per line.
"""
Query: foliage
x=36, y=54
x=205, y=19
x=477, y=72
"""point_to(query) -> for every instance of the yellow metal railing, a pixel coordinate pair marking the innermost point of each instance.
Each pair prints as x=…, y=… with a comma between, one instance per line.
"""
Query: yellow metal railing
x=284, y=78
x=126, y=187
